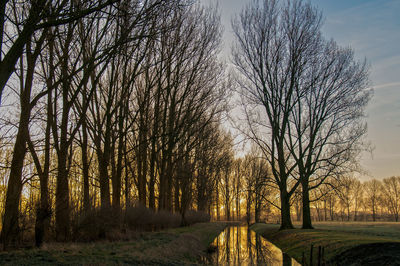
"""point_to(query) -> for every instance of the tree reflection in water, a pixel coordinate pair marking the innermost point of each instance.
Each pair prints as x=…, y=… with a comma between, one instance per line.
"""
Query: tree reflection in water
x=238, y=245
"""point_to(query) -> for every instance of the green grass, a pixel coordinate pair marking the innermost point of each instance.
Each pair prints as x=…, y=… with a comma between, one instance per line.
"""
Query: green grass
x=334, y=236
x=384, y=229
x=169, y=247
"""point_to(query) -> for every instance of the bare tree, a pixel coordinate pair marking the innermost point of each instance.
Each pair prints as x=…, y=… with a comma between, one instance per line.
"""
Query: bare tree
x=347, y=194
x=267, y=59
x=226, y=180
x=372, y=190
x=208, y=151
x=10, y=226
x=69, y=14
x=327, y=128
x=256, y=184
x=34, y=16
x=358, y=194
x=130, y=84
x=224, y=159
x=237, y=184
x=190, y=84
x=391, y=187
x=313, y=92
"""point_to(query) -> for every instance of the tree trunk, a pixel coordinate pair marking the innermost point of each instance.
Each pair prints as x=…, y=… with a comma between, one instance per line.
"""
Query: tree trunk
x=44, y=212
x=152, y=181
x=127, y=183
x=286, y=222
x=117, y=179
x=373, y=212
x=177, y=204
x=168, y=205
x=348, y=213
x=85, y=167
x=104, y=182
x=237, y=199
x=248, y=207
x=62, y=198
x=257, y=202
x=227, y=207
x=142, y=164
x=165, y=194
x=257, y=211
x=307, y=224
x=201, y=187
x=10, y=228
x=62, y=146
x=162, y=189
x=217, y=200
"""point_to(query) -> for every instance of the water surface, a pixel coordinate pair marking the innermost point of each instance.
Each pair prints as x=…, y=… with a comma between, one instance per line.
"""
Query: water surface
x=238, y=245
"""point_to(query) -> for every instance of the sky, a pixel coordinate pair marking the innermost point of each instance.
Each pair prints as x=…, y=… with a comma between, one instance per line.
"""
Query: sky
x=372, y=29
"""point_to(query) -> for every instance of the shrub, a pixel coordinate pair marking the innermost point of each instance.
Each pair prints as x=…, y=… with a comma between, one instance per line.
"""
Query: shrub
x=165, y=219
x=105, y=223
x=142, y=218
x=94, y=224
x=139, y=218
x=192, y=216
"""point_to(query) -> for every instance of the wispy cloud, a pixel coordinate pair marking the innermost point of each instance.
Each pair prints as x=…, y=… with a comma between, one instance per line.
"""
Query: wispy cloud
x=371, y=28
x=386, y=85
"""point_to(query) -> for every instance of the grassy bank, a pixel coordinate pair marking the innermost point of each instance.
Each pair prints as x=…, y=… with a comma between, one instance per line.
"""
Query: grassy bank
x=335, y=237
x=173, y=247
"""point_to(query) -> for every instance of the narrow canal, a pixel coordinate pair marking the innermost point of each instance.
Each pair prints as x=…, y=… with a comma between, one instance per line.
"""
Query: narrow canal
x=238, y=245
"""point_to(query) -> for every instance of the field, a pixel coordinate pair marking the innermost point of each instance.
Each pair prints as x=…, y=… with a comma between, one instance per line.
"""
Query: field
x=185, y=245
x=347, y=242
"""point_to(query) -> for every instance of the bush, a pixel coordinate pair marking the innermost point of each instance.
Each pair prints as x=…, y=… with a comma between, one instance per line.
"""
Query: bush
x=94, y=224
x=106, y=224
x=85, y=226
x=139, y=217
x=192, y=217
x=142, y=218
x=165, y=219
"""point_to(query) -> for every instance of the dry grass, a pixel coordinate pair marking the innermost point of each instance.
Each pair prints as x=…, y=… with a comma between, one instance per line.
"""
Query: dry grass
x=176, y=246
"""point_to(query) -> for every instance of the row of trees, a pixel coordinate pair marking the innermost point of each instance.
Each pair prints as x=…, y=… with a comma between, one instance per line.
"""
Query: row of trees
x=243, y=189
x=120, y=103
x=251, y=194
x=344, y=199
x=110, y=96
x=357, y=200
